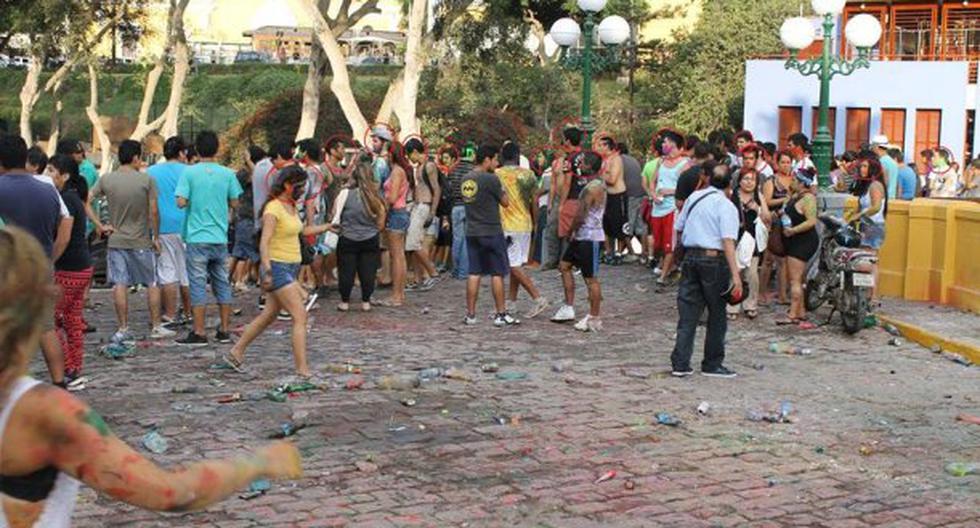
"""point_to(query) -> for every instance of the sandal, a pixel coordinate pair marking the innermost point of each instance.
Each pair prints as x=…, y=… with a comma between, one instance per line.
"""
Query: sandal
x=233, y=363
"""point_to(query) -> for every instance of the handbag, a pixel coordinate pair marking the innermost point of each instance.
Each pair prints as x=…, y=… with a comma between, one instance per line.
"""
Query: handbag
x=330, y=239
x=761, y=235
x=776, y=244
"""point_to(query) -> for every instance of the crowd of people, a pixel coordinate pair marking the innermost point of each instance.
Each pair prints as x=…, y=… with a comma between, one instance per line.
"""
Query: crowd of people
x=730, y=221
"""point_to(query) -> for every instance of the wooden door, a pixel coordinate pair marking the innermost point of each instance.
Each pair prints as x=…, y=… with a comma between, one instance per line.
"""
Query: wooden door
x=831, y=123
x=858, y=128
x=893, y=125
x=790, y=122
x=928, y=124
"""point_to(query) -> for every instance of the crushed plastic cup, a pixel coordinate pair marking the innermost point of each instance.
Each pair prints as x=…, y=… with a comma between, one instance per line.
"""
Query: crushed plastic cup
x=457, y=374
x=286, y=430
x=703, y=408
x=260, y=485
x=489, y=367
x=117, y=350
x=155, y=443
x=961, y=469
x=786, y=348
x=667, y=419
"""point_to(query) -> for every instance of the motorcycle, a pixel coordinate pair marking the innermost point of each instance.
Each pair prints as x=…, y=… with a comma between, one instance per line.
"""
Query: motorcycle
x=842, y=275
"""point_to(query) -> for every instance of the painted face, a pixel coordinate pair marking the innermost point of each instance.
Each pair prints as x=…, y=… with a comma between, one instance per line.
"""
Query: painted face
x=750, y=159
x=939, y=162
x=785, y=164
x=748, y=182
x=669, y=146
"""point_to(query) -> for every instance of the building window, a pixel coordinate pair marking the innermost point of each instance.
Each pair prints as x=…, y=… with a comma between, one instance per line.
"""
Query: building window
x=831, y=124
x=858, y=128
x=928, y=124
x=790, y=122
x=893, y=125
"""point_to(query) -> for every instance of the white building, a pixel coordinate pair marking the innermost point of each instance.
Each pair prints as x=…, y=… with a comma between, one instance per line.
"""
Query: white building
x=920, y=91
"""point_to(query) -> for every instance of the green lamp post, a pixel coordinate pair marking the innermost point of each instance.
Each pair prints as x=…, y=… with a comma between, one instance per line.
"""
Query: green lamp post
x=863, y=31
x=611, y=32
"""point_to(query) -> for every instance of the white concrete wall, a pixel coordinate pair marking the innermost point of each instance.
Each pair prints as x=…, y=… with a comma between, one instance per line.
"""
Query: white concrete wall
x=910, y=85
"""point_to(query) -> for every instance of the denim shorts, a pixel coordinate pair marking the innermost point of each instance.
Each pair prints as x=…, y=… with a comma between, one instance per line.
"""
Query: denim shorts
x=283, y=274
x=208, y=262
x=131, y=267
x=872, y=235
x=398, y=220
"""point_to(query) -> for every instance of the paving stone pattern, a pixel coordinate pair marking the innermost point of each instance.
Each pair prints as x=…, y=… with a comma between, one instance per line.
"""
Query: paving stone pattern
x=873, y=424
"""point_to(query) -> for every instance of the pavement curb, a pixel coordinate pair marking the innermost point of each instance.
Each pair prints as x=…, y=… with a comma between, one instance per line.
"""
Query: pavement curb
x=930, y=339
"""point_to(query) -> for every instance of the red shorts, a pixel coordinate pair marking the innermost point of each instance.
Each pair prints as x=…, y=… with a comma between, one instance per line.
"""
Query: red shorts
x=662, y=229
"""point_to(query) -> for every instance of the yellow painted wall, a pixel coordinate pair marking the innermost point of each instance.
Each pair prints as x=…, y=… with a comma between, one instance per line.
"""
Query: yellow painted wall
x=678, y=15
x=932, y=252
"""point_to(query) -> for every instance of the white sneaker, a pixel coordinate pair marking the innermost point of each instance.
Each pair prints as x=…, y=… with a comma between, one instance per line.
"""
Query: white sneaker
x=583, y=324
x=121, y=336
x=469, y=320
x=657, y=271
x=505, y=319
x=564, y=314
x=161, y=333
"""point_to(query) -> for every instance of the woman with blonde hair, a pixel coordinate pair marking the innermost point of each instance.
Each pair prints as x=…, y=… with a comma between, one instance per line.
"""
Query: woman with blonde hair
x=50, y=440
x=358, y=250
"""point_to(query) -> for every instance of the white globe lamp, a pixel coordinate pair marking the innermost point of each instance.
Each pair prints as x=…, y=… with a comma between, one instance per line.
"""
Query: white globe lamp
x=863, y=31
x=614, y=30
x=828, y=7
x=591, y=6
x=565, y=32
x=797, y=33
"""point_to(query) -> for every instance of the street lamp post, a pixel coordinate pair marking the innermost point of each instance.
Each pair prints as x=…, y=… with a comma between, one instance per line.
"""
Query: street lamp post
x=863, y=31
x=612, y=31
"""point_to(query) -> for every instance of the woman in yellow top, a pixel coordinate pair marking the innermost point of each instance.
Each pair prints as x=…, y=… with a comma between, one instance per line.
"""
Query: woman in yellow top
x=280, y=259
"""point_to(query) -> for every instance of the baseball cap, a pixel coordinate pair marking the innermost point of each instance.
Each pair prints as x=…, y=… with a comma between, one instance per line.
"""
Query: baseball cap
x=880, y=140
x=382, y=133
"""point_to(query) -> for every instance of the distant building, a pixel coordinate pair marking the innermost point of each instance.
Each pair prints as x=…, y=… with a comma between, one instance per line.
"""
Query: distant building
x=921, y=89
x=360, y=45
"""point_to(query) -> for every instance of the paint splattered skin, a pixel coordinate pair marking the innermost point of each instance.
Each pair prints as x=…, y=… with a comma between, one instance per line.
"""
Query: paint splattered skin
x=49, y=427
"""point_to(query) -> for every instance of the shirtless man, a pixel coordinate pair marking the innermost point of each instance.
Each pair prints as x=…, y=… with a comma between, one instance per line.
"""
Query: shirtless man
x=617, y=212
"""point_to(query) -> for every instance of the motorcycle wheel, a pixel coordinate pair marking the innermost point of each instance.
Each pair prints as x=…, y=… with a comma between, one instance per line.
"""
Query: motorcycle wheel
x=855, y=309
x=811, y=296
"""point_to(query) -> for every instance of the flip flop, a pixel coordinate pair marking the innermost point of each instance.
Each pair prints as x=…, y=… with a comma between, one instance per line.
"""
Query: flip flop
x=787, y=321
x=388, y=304
x=233, y=363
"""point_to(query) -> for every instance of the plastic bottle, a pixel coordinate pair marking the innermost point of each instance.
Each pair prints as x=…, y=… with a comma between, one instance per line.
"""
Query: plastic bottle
x=786, y=221
x=786, y=348
x=154, y=443
x=398, y=382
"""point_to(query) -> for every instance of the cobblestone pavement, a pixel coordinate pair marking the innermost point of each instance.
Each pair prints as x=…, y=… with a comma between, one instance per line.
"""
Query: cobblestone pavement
x=873, y=424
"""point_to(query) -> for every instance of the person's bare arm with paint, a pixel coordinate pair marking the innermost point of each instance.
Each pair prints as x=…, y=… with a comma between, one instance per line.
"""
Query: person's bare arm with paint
x=68, y=434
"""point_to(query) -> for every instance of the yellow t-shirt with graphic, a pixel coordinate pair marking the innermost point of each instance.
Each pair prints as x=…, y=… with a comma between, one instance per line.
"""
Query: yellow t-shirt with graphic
x=520, y=186
x=284, y=244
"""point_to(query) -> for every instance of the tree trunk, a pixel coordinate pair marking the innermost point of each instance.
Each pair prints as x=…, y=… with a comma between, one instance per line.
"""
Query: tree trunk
x=311, y=94
x=393, y=94
x=414, y=62
x=181, y=69
x=143, y=125
x=340, y=84
x=92, y=111
x=29, y=94
x=55, y=134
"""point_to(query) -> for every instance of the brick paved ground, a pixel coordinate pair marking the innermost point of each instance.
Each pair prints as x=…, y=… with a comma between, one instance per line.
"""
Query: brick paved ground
x=874, y=424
